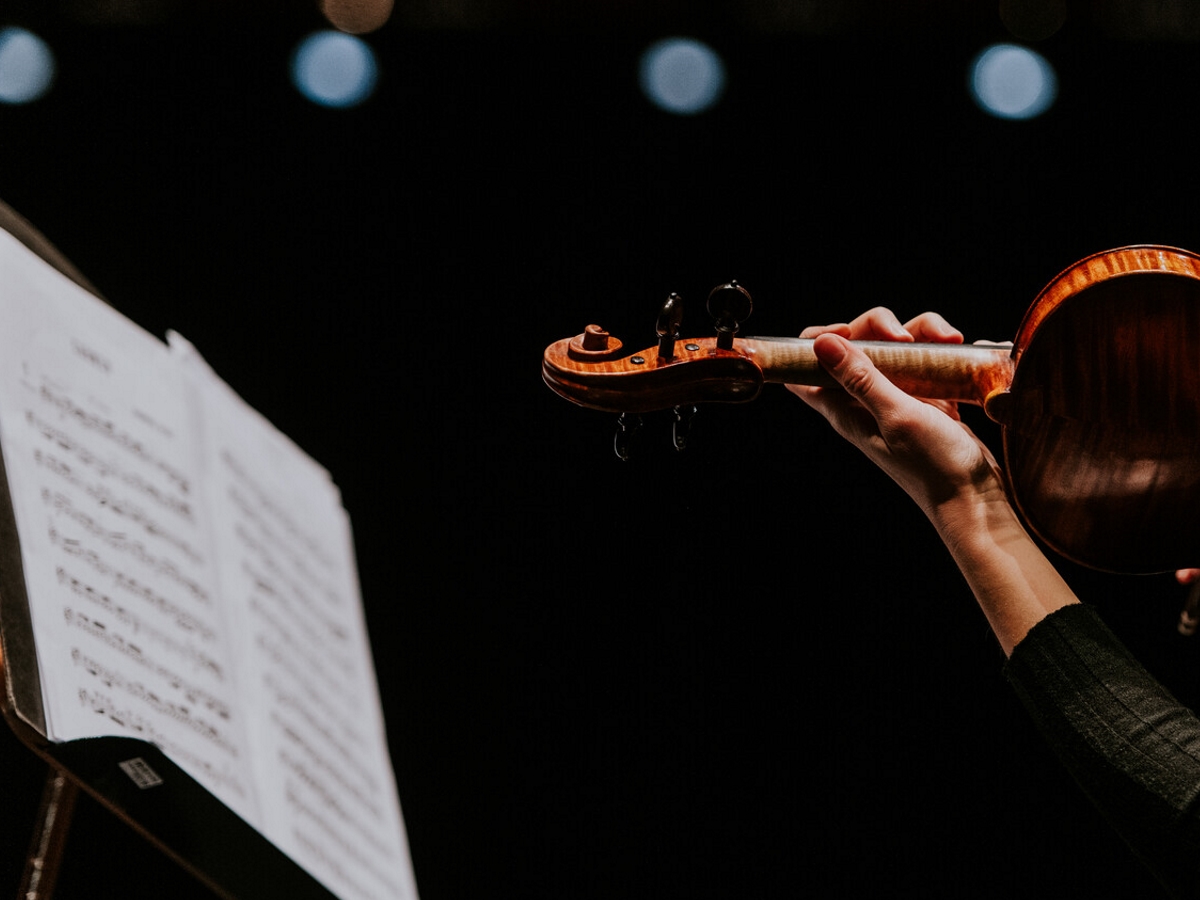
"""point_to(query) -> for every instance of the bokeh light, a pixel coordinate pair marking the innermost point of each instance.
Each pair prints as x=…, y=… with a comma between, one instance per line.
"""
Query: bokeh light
x=1013, y=82
x=334, y=69
x=26, y=66
x=682, y=76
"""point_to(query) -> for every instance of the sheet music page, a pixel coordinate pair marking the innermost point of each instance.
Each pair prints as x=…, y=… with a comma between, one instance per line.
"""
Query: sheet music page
x=191, y=580
x=102, y=461
x=286, y=568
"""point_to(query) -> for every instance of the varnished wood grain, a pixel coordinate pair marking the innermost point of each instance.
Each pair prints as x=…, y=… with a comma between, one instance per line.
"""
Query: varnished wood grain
x=616, y=383
x=966, y=373
x=1103, y=452
x=1099, y=398
x=622, y=384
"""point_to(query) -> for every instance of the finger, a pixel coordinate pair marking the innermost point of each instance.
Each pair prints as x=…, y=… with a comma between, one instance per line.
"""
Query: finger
x=878, y=324
x=930, y=326
x=1187, y=576
x=813, y=330
x=858, y=376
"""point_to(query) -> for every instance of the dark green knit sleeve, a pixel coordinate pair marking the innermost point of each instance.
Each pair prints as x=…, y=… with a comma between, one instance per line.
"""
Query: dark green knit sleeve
x=1131, y=746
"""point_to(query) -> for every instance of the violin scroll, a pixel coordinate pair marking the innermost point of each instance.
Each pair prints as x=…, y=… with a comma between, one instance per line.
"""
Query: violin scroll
x=591, y=370
x=594, y=344
x=697, y=372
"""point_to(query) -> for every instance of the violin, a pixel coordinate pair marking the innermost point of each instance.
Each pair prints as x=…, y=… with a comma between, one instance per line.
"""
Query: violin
x=1098, y=397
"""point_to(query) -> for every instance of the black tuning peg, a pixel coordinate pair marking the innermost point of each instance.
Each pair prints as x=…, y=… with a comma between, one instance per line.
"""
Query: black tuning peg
x=682, y=432
x=627, y=428
x=670, y=317
x=730, y=305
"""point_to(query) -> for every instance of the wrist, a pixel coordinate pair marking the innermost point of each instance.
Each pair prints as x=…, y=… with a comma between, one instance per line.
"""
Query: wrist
x=1015, y=584
x=976, y=518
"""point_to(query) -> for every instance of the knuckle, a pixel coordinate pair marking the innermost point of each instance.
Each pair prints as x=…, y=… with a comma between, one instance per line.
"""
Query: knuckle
x=883, y=314
x=857, y=378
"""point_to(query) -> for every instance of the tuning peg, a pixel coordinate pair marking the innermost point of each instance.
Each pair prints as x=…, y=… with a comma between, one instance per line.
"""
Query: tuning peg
x=682, y=431
x=627, y=428
x=670, y=317
x=730, y=304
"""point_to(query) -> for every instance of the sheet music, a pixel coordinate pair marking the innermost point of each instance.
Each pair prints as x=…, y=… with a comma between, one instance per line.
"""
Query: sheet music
x=102, y=467
x=191, y=580
x=286, y=567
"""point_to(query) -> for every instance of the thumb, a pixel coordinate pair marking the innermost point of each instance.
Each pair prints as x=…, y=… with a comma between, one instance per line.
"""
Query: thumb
x=857, y=375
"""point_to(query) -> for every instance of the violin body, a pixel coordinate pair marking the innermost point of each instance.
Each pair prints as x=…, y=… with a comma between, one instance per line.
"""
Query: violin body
x=1098, y=399
x=1102, y=439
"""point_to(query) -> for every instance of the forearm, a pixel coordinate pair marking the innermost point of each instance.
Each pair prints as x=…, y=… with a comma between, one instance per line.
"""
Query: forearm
x=1013, y=581
x=940, y=463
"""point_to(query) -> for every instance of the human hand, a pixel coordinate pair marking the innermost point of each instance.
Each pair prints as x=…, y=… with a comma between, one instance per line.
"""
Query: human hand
x=922, y=445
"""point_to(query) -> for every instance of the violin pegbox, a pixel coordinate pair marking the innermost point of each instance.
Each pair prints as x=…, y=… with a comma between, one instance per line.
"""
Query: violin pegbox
x=594, y=370
x=730, y=305
x=670, y=317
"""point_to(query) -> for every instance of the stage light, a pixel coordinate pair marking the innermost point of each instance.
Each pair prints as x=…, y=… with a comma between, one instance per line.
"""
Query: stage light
x=26, y=66
x=682, y=76
x=1013, y=82
x=334, y=69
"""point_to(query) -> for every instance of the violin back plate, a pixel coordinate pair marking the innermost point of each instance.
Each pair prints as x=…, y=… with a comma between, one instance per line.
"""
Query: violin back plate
x=1103, y=447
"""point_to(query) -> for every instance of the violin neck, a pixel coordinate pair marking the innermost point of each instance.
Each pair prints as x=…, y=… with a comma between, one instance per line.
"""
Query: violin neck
x=968, y=373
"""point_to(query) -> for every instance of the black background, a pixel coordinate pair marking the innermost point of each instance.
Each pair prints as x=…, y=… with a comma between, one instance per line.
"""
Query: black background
x=749, y=670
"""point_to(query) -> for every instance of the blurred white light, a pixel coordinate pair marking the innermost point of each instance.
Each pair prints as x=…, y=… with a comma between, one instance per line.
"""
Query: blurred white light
x=334, y=69
x=682, y=76
x=26, y=66
x=1013, y=82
